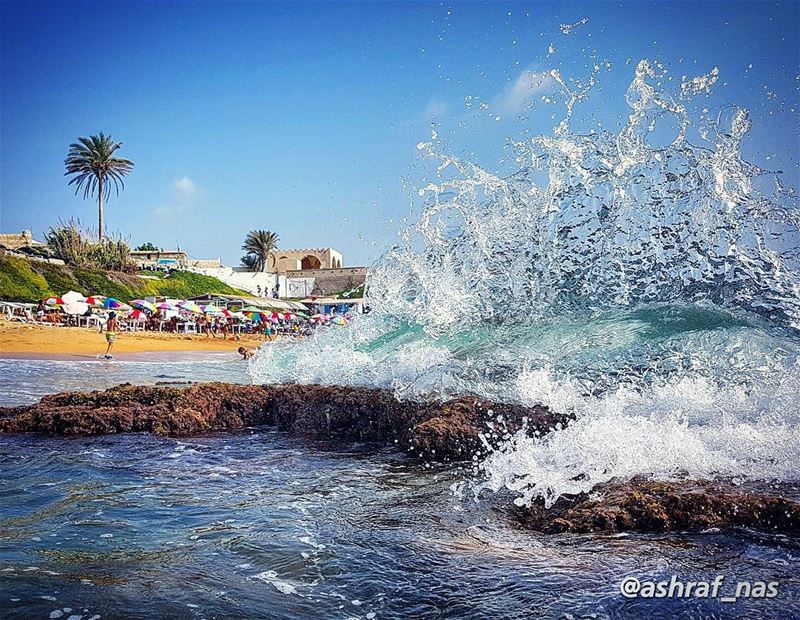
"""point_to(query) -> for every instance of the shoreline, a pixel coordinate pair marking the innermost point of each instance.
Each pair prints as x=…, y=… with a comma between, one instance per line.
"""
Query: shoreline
x=127, y=356
x=24, y=341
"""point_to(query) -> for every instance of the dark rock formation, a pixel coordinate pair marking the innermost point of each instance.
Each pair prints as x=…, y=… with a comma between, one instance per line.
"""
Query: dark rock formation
x=648, y=506
x=441, y=431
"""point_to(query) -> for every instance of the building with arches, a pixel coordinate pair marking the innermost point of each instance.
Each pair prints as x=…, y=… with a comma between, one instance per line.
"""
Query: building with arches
x=283, y=261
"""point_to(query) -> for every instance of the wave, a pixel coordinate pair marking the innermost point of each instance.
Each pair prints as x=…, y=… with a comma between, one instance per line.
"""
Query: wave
x=651, y=290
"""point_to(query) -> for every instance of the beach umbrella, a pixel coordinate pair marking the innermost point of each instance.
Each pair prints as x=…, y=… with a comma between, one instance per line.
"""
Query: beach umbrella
x=141, y=304
x=54, y=301
x=74, y=303
x=95, y=300
x=137, y=315
x=190, y=307
x=211, y=309
x=115, y=304
x=339, y=320
x=165, y=306
x=72, y=297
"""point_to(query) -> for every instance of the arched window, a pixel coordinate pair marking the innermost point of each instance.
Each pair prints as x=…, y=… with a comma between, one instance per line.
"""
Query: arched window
x=310, y=262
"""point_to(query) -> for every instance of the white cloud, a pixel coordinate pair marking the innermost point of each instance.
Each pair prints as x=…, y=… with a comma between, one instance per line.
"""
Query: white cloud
x=436, y=109
x=185, y=186
x=185, y=194
x=528, y=86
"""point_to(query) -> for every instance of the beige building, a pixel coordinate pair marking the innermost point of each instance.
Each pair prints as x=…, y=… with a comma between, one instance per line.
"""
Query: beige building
x=160, y=259
x=282, y=261
x=15, y=241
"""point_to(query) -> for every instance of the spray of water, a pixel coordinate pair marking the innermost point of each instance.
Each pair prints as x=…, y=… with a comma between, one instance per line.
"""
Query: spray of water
x=652, y=290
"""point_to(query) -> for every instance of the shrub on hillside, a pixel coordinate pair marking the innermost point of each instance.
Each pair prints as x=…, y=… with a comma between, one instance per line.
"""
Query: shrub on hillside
x=72, y=245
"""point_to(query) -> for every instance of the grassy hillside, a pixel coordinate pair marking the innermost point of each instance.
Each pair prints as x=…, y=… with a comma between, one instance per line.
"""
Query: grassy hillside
x=24, y=280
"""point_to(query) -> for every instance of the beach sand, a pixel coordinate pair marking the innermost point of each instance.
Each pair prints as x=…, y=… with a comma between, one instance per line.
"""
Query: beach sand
x=18, y=338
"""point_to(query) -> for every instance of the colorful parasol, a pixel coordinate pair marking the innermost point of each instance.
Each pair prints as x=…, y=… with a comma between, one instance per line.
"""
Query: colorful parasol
x=165, y=306
x=190, y=307
x=141, y=304
x=54, y=301
x=138, y=315
x=115, y=304
x=211, y=309
x=95, y=300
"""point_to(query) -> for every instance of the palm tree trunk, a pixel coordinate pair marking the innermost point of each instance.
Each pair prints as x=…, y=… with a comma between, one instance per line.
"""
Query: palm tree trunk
x=100, y=210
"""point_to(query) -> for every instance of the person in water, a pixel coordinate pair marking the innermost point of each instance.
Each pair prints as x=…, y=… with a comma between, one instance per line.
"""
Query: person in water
x=246, y=353
x=111, y=332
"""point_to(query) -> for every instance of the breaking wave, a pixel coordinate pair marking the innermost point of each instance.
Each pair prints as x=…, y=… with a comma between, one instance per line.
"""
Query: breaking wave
x=650, y=289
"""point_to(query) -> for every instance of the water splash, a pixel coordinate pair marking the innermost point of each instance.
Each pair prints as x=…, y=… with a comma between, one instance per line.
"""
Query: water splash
x=648, y=279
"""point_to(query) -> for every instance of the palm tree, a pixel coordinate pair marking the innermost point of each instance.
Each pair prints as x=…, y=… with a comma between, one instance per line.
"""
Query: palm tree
x=250, y=261
x=95, y=169
x=259, y=243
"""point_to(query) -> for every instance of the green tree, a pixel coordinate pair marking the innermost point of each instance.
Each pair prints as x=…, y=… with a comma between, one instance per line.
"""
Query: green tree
x=94, y=170
x=258, y=244
x=147, y=247
x=250, y=261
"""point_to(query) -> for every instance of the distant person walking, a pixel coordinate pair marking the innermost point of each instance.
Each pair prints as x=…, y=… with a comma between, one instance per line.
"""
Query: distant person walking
x=111, y=332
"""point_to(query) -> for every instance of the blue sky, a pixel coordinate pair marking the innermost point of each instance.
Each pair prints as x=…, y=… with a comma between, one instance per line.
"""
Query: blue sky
x=303, y=118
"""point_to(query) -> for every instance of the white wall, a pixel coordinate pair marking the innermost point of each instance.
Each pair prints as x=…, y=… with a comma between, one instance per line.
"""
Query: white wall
x=249, y=281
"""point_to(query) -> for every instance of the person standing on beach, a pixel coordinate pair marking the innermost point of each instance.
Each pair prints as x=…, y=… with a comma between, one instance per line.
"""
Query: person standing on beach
x=111, y=332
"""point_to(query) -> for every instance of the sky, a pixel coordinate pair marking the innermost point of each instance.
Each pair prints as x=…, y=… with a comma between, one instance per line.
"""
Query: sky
x=304, y=118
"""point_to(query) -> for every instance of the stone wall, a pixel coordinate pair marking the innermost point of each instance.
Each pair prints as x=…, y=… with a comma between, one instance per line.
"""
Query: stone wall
x=329, y=281
x=14, y=241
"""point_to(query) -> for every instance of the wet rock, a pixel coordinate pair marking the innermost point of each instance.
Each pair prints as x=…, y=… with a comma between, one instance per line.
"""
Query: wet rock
x=442, y=431
x=453, y=430
x=649, y=506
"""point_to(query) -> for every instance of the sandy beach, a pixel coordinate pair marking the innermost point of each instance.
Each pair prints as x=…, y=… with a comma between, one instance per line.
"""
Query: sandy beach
x=17, y=338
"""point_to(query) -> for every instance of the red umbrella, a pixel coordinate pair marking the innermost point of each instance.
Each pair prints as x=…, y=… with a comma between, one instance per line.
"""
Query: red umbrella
x=137, y=315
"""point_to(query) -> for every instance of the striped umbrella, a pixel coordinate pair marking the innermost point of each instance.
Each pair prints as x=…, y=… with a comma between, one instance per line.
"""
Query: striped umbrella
x=143, y=305
x=54, y=301
x=190, y=307
x=115, y=304
x=165, y=306
x=211, y=309
x=95, y=300
x=137, y=315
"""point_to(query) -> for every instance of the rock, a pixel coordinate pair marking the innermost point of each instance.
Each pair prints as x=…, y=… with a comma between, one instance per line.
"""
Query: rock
x=442, y=431
x=453, y=430
x=649, y=506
